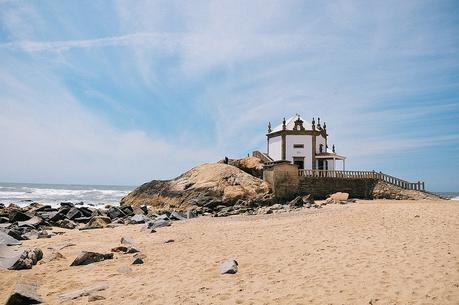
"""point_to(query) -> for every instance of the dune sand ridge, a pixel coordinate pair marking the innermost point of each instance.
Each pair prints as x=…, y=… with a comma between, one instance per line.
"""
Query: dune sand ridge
x=369, y=252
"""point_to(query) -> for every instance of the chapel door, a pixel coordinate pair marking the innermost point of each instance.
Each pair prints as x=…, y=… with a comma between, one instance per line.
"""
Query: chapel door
x=299, y=161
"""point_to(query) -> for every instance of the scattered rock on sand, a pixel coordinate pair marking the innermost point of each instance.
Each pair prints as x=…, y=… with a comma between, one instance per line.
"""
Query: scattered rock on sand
x=169, y=241
x=138, y=261
x=82, y=292
x=86, y=258
x=158, y=224
x=24, y=260
x=24, y=293
x=229, y=267
x=125, y=250
x=127, y=241
x=339, y=196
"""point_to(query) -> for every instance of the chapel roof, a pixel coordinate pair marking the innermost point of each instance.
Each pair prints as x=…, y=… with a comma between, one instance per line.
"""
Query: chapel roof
x=290, y=124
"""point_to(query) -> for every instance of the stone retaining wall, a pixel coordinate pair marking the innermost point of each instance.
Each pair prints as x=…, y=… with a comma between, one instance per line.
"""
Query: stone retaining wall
x=321, y=187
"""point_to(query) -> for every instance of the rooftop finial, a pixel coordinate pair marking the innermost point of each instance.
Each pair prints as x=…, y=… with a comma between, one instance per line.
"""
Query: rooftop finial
x=318, y=124
x=284, y=126
x=269, y=127
x=333, y=149
x=325, y=126
x=313, y=124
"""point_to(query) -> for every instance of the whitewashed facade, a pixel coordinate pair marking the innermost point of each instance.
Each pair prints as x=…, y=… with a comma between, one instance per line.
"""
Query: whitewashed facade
x=302, y=143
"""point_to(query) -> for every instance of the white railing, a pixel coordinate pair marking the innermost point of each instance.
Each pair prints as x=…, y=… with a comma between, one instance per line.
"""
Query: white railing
x=362, y=175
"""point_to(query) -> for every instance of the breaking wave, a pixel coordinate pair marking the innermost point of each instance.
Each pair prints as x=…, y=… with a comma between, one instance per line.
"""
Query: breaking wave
x=23, y=194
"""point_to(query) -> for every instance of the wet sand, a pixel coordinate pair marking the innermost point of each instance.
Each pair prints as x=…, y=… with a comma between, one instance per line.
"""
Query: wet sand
x=369, y=252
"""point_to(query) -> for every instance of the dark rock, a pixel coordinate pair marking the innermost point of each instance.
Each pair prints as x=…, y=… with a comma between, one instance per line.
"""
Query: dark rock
x=24, y=293
x=16, y=233
x=66, y=224
x=27, y=259
x=158, y=224
x=74, y=213
x=4, y=219
x=18, y=216
x=169, y=241
x=229, y=267
x=144, y=209
x=67, y=204
x=114, y=212
x=53, y=216
x=297, y=202
x=190, y=214
x=139, y=218
x=32, y=222
x=64, y=210
x=86, y=258
x=308, y=199
x=45, y=208
x=138, y=261
x=82, y=219
x=125, y=250
x=162, y=217
x=6, y=239
x=177, y=216
x=128, y=210
x=86, y=212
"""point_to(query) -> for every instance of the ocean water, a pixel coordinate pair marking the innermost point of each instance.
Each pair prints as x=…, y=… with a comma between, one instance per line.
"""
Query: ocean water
x=451, y=195
x=53, y=194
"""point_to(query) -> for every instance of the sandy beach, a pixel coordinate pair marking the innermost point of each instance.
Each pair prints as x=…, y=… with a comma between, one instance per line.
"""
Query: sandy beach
x=369, y=252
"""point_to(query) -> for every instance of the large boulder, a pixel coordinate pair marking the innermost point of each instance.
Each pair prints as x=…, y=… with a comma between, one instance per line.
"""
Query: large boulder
x=207, y=185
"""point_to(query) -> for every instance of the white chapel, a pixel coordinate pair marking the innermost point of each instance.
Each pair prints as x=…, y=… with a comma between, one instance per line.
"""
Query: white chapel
x=302, y=143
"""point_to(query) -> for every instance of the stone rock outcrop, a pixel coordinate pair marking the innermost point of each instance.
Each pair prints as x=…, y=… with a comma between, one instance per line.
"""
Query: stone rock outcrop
x=250, y=165
x=206, y=186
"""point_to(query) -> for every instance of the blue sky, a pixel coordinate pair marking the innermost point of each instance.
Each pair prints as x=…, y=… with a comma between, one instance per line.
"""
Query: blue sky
x=121, y=92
